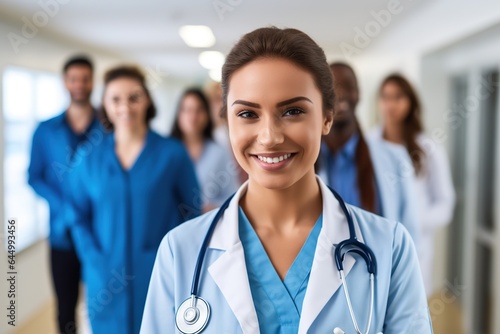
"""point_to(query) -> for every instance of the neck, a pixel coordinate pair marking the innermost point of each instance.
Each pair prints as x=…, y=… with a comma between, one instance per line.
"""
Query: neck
x=79, y=116
x=130, y=135
x=281, y=209
x=80, y=108
x=393, y=133
x=339, y=135
x=194, y=139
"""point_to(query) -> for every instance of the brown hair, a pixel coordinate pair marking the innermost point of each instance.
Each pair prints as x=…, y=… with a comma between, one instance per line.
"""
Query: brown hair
x=130, y=72
x=412, y=124
x=365, y=174
x=289, y=44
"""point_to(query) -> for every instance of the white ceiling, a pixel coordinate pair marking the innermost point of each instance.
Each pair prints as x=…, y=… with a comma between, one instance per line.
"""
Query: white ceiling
x=147, y=31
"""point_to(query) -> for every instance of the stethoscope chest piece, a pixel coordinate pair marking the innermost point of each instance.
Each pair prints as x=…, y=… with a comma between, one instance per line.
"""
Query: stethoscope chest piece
x=192, y=316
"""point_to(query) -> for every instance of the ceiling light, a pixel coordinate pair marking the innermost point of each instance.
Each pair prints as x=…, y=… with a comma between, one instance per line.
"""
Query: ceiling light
x=197, y=36
x=215, y=75
x=211, y=60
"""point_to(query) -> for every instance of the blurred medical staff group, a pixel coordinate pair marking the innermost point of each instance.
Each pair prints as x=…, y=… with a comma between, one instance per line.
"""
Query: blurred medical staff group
x=128, y=185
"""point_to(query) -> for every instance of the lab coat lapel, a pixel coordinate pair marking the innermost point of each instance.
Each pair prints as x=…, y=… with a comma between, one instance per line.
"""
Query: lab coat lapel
x=229, y=271
x=324, y=279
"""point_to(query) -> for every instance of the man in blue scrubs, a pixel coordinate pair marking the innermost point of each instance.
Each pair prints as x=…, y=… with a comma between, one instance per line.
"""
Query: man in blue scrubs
x=53, y=158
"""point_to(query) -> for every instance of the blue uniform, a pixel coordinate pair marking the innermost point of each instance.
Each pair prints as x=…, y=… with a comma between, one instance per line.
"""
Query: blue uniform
x=118, y=219
x=342, y=172
x=278, y=303
x=394, y=180
x=400, y=302
x=53, y=160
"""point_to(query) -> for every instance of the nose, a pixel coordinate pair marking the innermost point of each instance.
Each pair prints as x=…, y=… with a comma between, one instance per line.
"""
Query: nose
x=123, y=106
x=270, y=134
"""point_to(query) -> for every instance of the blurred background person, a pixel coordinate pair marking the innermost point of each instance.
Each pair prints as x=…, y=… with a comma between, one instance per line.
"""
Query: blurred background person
x=129, y=192
x=215, y=167
x=55, y=142
x=371, y=174
x=402, y=124
x=220, y=133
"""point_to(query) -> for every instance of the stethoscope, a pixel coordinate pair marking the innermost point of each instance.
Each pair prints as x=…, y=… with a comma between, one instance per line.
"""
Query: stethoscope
x=194, y=313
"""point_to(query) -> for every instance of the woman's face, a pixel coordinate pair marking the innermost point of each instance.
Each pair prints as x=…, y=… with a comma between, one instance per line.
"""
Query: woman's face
x=276, y=121
x=126, y=103
x=393, y=103
x=193, y=117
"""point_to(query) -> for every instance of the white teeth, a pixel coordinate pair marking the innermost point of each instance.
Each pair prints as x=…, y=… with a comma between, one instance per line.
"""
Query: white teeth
x=274, y=160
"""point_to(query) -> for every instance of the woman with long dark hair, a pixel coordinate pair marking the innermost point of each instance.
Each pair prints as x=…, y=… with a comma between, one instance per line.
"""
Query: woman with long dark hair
x=401, y=113
x=215, y=168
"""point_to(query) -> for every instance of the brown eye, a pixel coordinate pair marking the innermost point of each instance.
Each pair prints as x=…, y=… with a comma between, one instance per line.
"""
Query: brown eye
x=247, y=114
x=293, y=112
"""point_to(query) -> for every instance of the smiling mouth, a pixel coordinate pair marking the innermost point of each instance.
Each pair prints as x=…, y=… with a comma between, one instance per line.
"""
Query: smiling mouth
x=274, y=159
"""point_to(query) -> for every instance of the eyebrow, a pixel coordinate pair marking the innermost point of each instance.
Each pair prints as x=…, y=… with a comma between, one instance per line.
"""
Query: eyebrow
x=280, y=104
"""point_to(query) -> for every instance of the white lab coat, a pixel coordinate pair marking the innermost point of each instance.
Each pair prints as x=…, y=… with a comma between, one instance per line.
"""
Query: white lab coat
x=395, y=183
x=435, y=201
x=400, y=303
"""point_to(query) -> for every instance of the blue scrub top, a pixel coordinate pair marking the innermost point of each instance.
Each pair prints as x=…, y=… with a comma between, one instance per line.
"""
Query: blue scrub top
x=118, y=218
x=278, y=303
x=53, y=159
x=342, y=172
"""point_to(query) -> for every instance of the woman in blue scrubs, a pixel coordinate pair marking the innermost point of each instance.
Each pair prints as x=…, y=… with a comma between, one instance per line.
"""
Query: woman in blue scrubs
x=215, y=168
x=127, y=194
x=269, y=265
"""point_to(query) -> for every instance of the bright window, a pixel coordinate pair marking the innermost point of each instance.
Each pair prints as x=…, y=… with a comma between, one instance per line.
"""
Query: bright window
x=28, y=98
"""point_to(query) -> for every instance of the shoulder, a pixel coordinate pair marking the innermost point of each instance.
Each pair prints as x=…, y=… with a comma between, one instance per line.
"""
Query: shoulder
x=382, y=149
x=193, y=230
x=379, y=232
x=50, y=123
x=167, y=148
x=215, y=150
x=168, y=144
x=373, y=225
x=430, y=146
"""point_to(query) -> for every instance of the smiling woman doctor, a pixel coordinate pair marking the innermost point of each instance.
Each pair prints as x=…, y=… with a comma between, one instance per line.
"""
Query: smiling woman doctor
x=272, y=259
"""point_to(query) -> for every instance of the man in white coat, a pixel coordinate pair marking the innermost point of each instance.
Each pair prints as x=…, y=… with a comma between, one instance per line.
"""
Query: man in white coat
x=372, y=174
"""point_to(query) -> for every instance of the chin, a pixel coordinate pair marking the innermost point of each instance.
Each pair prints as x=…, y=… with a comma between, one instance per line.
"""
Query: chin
x=275, y=182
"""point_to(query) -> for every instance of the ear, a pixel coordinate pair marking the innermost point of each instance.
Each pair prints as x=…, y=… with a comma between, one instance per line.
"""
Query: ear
x=327, y=123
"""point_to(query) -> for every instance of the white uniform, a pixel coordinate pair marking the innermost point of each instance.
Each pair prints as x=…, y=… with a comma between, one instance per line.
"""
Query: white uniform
x=400, y=303
x=435, y=199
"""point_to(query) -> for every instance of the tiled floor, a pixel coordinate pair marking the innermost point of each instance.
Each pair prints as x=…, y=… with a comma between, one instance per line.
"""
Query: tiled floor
x=446, y=319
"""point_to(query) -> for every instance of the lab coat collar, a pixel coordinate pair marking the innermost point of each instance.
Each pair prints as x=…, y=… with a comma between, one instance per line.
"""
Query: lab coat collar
x=230, y=274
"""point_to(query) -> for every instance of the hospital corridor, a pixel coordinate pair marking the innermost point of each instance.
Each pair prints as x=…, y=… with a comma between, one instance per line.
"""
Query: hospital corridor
x=236, y=166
